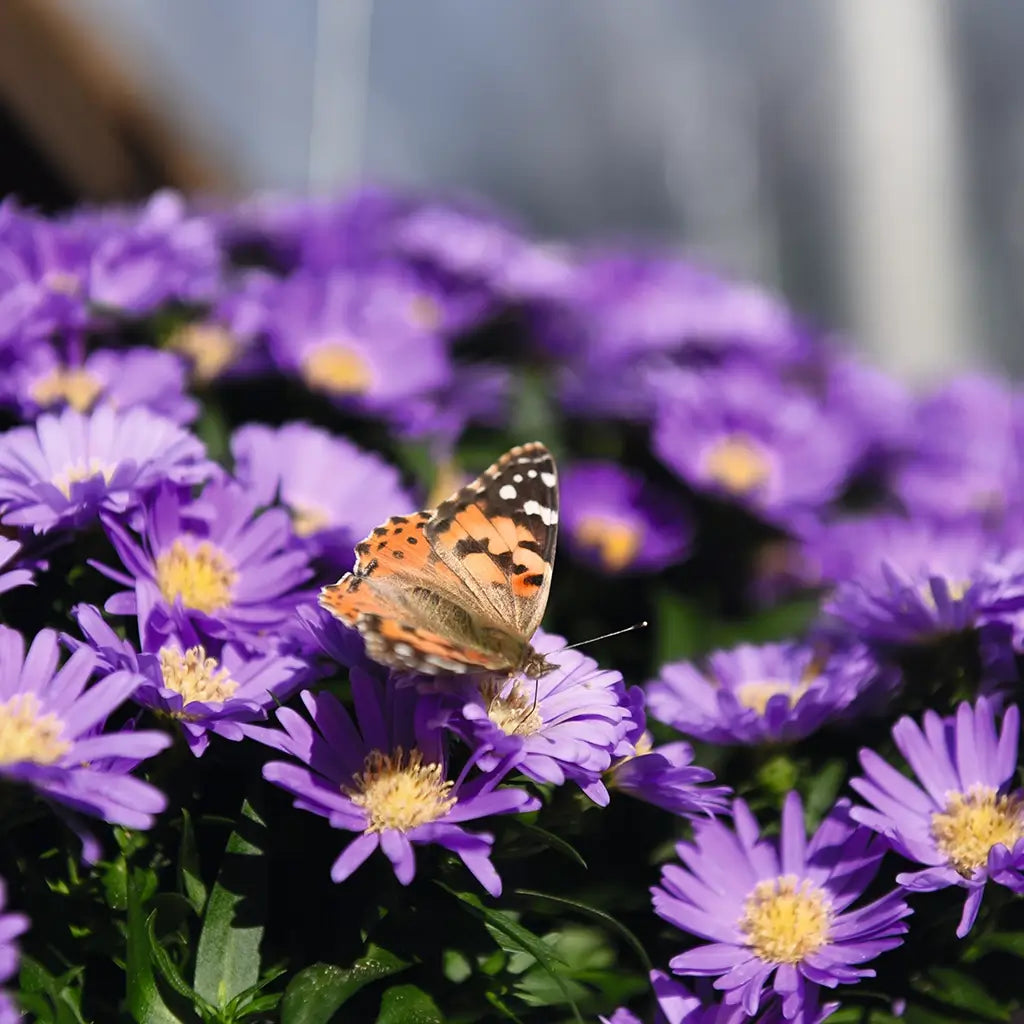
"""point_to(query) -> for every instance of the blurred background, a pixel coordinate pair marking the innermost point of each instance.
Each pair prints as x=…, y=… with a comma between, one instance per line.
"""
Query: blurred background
x=864, y=157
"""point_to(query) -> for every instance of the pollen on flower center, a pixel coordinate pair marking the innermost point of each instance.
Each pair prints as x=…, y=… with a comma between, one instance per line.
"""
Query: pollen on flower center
x=956, y=589
x=399, y=791
x=25, y=735
x=974, y=822
x=737, y=464
x=786, y=920
x=203, y=578
x=195, y=676
x=336, y=368
x=210, y=348
x=75, y=385
x=308, y=519
x=81, y=470
x=514, y=712
x=617, y=543
x=755, y=695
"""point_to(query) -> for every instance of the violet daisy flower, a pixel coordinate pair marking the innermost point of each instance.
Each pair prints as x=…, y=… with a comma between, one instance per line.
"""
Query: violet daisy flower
x=618, y=521
x=664, y=776
x=770, y=693
x=13, y=577
x=777, y=913
x=334, y=491
x=11, y=926
x=50, y=738
x=209, y=567
x=203, y=691
x=386, y=779
x=909, y=581
x=66, y=468
x=43, y=381
x=963, y=821
x=569, y=724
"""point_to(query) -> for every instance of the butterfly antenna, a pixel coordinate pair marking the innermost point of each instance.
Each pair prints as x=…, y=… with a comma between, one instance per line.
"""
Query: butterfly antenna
x=604, y=636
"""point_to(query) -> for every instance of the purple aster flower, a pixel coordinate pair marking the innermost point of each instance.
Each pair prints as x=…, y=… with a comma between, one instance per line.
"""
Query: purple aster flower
x=618, y=521
x=50, y=736
x=66, y=468
x=122, y=379
x=777, y=913
x=905, y=582
x=11, y=926
x=569, y=724
x=741, y=435
x=210, y=567
x=964, y=822
x=664, y=776
x=386, y=780
x=334, y=491
x=315, y=331
x=763, y=694
x=203, y=690
x=13, y=577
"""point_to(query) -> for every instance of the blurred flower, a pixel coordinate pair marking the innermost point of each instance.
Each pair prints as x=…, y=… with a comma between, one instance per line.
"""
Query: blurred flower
x=567, y=725
x=203, y=691
x=777, y=913
x=50, y=736
x=963, y=821
x=908, y=581
x=743, y=436
x=11, y=926
x=209, y=567
x=65, y=468
x=13, y=577
x=618, y=521
x=386, y=779
x=664, y=776
x=334, y=491
x=121, y=379
x=762, y=694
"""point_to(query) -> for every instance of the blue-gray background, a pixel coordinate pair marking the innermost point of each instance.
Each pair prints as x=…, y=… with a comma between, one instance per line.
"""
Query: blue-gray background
x=865, y=156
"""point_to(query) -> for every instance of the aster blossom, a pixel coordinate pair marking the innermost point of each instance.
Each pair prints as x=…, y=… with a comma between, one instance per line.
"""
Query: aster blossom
x=51, y=738
x=13, y=577
x=66, y=468
x=777, y=914
x=568, y=725
x=386, y=779
x=11, y=926
x=960, y=818
x=211, y=566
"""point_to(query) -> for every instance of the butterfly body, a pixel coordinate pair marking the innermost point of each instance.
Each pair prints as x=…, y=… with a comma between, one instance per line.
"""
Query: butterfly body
x=461, y=588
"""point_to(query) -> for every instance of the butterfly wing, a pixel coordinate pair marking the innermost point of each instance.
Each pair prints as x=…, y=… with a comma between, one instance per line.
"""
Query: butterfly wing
x=497, y=536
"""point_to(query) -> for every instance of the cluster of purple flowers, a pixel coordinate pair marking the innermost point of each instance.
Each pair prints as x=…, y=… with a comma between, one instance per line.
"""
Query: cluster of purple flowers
x=899, y=515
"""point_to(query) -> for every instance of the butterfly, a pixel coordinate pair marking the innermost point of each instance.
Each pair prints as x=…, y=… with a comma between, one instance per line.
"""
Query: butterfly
x=463, y=587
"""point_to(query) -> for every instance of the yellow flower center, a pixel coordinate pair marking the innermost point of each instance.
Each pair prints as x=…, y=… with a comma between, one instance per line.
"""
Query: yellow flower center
x=78, y=471
x=424, y=312
x=786, y=920
x=401, y=792
x=203, y=578
x=75, y=386
x=616, y=542
x=755, y=695
x=209, y=347
x=955, y=588
x=25, y=735
x=514, y=711
x=973, y=823
x=195, y=676
x=308, y=519
x=737, y=463
x=336, y=368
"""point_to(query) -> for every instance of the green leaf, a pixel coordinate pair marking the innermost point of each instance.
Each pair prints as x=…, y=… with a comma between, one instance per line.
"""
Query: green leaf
x=407, y=1004
x=949, y=986
x=145, y=1002
x=552, y=840
x=170, y=973
x=600, y=916
x=47, y=997
x=314, y=995
x=190, y=880
x=228, y=952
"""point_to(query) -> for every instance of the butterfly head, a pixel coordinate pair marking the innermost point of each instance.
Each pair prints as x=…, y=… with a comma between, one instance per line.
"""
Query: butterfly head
x=535, y=665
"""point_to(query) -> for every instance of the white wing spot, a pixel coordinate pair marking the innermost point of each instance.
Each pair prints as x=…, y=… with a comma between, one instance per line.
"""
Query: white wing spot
x=518, y=478
x=532, y=474
x=403, y=650
x=548, y=479
x=507, y=493
x=548, y=516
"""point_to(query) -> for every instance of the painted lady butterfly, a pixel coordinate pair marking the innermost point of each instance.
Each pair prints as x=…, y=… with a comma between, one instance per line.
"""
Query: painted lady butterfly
x=461, y=588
